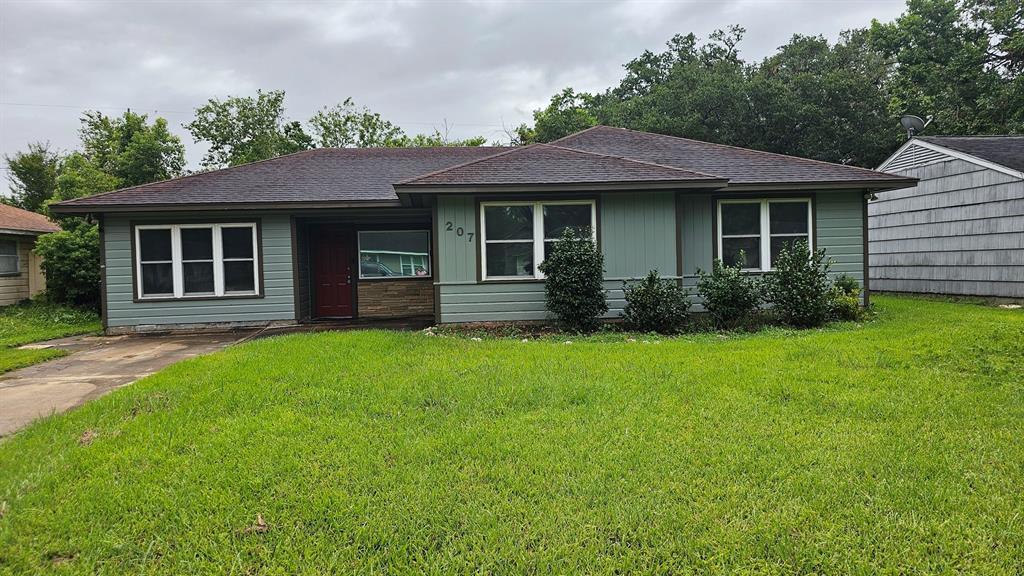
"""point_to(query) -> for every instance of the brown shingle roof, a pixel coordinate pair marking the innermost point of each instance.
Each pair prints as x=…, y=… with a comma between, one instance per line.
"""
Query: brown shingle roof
x=739, y=165
x=324, y=175
x=12, y=218
x=540, y=164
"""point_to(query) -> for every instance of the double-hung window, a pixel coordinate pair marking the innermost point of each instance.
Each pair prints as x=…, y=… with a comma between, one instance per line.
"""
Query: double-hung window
x=9, y=262
x=752, y=233
x=196, y=260
x=517, y=236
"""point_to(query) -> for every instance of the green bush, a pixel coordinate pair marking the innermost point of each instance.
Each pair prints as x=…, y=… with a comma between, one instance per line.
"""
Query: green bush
x=730, y=296
x=846, y=299
x=71, y=263
x=655, y=305
x=574, y=289
x=799, y=290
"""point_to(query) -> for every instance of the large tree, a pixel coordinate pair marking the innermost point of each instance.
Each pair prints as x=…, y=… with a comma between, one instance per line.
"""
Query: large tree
x=130, y=149
x=32, y=175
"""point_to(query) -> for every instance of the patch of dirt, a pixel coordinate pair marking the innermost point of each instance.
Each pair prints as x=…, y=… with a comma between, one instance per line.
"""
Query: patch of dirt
x=87, y=437
x=260, y=526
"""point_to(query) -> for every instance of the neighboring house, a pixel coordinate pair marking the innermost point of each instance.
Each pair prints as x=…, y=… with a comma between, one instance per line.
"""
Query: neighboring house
x=457, y=233
x=960, y=230
x=20, y=274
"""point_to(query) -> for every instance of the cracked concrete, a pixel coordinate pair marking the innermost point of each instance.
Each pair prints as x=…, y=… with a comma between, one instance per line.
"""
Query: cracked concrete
x=96, y=365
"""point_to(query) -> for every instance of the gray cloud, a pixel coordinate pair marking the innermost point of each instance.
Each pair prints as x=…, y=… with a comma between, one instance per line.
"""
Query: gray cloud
x=479, y=65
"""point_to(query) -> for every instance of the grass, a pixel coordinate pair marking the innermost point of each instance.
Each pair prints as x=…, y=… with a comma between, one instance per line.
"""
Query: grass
x=891, y=447
x=34, y=322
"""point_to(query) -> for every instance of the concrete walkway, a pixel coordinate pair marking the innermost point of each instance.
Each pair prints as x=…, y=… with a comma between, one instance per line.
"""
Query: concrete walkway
x=96, y=365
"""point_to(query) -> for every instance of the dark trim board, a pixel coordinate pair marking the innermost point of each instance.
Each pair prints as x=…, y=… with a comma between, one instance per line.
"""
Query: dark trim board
x=259, y=257
x=867, y=258
x=103, y=271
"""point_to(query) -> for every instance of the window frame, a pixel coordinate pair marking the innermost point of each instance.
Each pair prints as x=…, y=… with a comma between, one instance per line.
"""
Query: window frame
x=17, y=258
x=430, y=255
x=765, y=234
x=177, y=262
x=538, y=239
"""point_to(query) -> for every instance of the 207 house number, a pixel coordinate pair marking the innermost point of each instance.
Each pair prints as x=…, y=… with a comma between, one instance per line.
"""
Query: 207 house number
x=459, y=231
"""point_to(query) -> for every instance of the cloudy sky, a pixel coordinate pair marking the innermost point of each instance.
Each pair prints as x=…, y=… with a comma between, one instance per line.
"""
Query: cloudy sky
x=480, y=65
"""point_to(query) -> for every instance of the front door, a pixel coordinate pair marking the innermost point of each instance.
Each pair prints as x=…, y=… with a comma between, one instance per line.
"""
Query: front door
x=333, y=264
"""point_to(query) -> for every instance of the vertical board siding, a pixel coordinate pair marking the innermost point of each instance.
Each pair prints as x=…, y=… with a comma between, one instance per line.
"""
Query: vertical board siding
x=698, y=234
x=959, y=231
x=15, y=287
x=638, y=234
x=277, y=304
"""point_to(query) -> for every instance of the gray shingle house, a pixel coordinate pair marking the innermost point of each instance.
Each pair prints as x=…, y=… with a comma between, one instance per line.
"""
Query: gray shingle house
x=456, y=233
x=960, y=230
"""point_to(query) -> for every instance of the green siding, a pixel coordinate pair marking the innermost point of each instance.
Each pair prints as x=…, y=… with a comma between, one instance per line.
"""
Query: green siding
x=638, y=234
x=840, y=231
x=278, y=302
x=698, y=235
x=456, y=254
x=495, y=302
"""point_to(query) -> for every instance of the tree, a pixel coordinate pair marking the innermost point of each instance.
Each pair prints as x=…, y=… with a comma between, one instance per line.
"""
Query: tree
x=347, y=126
x=33, y=176
x=246, y=129
x=568, y=112
x=438, y=139
x=131, y=150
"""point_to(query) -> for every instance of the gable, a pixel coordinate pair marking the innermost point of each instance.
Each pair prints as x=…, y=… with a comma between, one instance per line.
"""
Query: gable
x=912, y=156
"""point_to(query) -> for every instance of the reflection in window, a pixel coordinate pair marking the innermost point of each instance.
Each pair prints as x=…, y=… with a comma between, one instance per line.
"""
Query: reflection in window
x=752, y=233
x=518, y=236
x=394, y=254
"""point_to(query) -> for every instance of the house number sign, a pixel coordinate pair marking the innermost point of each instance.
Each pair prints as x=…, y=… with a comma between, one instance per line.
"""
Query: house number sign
x=458, y=230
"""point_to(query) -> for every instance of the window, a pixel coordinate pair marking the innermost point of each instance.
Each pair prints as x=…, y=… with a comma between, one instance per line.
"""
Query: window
x=394, y=254
x=192, y=260
x=517, y=236
x=752, y=233
x=9, y=263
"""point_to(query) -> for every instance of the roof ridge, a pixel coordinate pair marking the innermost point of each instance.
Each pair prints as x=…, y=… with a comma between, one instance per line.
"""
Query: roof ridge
x=635, y=161
x=730, y=146
x=970, y=136
x=187, y=176
x=463, y=164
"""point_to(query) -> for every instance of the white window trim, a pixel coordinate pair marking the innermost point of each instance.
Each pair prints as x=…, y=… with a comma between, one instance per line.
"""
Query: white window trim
x=765, y=234
x=17, y=259
x=359, y=256
x=538, y=233
x=177, y=264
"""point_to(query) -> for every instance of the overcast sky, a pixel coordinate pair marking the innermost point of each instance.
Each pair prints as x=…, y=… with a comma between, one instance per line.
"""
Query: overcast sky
x=479, y=65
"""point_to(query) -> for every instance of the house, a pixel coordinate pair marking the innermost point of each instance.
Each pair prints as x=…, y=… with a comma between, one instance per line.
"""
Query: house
x=960, y=230
x=21, y=276
x=456, y=233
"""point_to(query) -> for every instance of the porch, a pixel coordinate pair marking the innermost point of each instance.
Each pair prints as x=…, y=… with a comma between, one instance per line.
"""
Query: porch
x=358, y=266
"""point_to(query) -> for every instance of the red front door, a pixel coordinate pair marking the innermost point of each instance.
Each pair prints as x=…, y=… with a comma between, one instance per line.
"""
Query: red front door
x=333, y=266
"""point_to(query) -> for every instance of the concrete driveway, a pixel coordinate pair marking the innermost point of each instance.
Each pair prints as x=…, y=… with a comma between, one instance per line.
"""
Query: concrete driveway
x=96, y=365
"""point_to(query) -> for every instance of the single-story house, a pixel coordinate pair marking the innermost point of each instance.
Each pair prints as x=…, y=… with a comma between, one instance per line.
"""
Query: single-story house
x=21, y=275
x=456, y=233
x=960, y=230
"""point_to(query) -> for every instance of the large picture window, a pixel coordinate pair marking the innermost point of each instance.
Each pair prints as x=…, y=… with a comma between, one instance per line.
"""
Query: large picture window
x=517, y=236
x=394, y=254
x=195, y=260
x=9, y=263
x=752, y=233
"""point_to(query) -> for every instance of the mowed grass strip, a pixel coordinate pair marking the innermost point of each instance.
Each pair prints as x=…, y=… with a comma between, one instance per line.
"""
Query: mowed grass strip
x=34, y=322
x=896, y=446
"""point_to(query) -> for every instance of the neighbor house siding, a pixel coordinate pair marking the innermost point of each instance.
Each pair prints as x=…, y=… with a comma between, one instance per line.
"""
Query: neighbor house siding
x=16, y=287
x=959, y=231
x=276, y=305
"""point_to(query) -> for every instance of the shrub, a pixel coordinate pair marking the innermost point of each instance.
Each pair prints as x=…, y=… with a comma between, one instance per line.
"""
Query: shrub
x=71, y=263
x=730, y=296
x=799, y=289
x=846, y=299
x=573, y=289
x=655, y=305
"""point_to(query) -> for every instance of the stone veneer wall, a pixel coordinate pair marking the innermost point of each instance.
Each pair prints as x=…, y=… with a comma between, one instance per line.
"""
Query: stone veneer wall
x=395, y=298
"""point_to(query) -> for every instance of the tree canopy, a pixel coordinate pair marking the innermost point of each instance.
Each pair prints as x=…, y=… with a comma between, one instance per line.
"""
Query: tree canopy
x=32, y=176
x=959, y=60
x=245, y=129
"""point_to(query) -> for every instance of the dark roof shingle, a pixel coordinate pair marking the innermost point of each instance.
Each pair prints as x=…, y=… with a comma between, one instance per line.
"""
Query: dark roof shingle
x=1005, y=150
x=739, y=165
x=547, y=164
x=12, y=218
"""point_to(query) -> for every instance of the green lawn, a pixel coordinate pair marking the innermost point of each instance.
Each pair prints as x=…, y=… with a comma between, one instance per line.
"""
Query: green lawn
x=892, y=447
x=34, y=322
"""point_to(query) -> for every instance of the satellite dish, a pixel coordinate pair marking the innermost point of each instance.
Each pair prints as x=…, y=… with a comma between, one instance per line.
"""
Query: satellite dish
x=913, y=124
